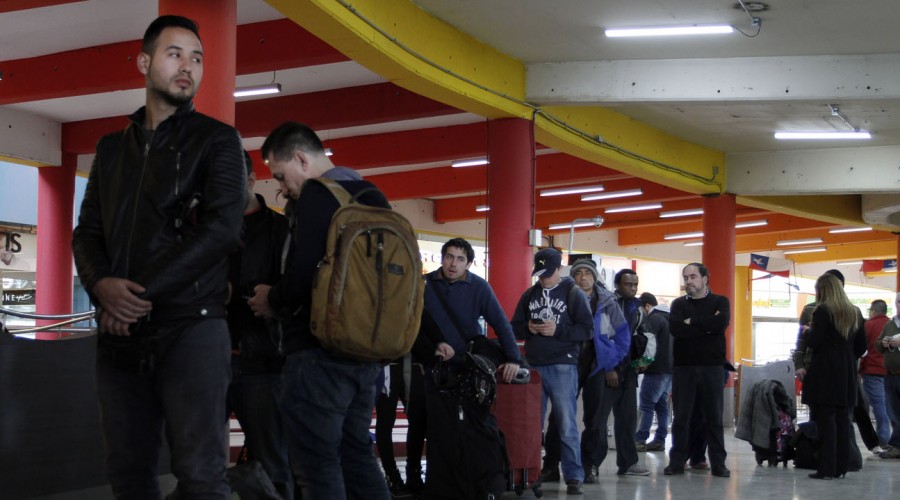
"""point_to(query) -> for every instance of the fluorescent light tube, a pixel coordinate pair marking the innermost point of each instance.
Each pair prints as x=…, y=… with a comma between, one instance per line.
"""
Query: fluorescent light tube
x=681, y=213
x=804, y=250
x=471, y=162
x=612, y=194
x=682, y=236
x=482, y=208
x=807, y=241
x=822, y=136
x=839, y=230
x=849, y=263
x=569, y=225
x=329, y=152
x=633, y=208
x=751, y=223
x=718, y=29
x=271, y=88
x=694, y=244
x=571, y=190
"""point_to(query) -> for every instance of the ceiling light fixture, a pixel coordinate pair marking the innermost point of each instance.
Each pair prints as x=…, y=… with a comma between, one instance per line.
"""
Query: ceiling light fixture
x=569, y=225
x=612, y=194
x=681, y=213
x=752, y=223
x=693, y=244
x=683, y=236
x=807, y=241
x=715, y=29
x=633, y=208
x=804, y=250
x=839, y=230
x=572, y=190
x=849, y=263
x=482, y=208
x=854, y=133
x=269, y=88
x=329, y=152
x=470, y=162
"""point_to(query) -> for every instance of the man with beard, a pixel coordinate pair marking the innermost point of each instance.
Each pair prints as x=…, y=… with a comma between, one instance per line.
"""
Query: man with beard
x=161, y=212
x=698, y=322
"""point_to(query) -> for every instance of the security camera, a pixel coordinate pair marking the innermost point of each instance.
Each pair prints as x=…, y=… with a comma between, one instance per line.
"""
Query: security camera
x=597, y=220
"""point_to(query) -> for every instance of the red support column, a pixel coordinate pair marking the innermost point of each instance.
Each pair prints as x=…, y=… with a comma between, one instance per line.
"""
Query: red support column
x=217, y=20
x=511, y=198
x=718, y=253
x=898, y=256
x=56, y=194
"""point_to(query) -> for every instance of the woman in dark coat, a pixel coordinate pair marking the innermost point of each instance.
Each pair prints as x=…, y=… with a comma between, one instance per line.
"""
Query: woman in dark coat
x=837, y=338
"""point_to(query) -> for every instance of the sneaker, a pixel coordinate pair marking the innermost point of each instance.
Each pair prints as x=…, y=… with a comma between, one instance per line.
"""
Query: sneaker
x=700, y=466
x=550, y=475
x=634, y=470
x=892, y=453
x=640, y=447
x=574, y=487
x=656, y=445
x=591, y=474
x=876, y=450
x=673, y=470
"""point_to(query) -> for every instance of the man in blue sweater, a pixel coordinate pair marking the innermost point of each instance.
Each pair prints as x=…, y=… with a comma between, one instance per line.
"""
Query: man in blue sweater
x=554, y=318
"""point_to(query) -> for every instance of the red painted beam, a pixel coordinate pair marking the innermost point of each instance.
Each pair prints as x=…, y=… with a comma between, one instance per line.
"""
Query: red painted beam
x=410, y=147
x=430, y=182
x=264, y=46
x=14, y=5
x=339, y=108
x=778, y=223
x=326, y=110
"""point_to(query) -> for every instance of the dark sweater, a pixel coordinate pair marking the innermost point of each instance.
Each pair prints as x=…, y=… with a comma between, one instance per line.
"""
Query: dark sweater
x=701, y=343
x=657, y=322
x=311, y=216
x=574, y=323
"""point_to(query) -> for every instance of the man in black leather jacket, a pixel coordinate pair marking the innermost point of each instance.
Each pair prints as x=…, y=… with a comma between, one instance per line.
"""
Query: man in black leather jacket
x=257, y=353
x=161, y=213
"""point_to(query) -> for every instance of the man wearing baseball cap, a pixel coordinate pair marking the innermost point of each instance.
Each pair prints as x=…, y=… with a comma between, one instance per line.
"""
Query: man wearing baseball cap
x=554, y=318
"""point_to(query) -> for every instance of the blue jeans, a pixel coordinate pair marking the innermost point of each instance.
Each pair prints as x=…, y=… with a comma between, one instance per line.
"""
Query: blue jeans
x=254, y=399
x=874, y=387
x=184, y=387
x=654, y=398
x=327, y=406
x=559, y=384
x=892, y=394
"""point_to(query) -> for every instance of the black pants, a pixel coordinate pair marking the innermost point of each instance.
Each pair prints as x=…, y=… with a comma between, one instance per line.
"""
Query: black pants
x=833, y=426
x=386, y=415
x=687, y=383
x=599, y=400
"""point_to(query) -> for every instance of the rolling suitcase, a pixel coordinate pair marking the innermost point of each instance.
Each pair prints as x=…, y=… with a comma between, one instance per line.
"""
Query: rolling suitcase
x=518, y=411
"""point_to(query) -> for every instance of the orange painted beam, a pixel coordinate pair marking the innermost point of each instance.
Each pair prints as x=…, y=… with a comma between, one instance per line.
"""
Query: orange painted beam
x=264, y=46
x=14, y=5
x=778, y=224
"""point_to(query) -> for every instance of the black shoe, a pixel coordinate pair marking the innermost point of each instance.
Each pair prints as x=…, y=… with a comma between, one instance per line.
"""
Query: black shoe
x=414, y=482
x=550, y=474
x=672, y=470
x=395, y=485
x=656, y=445
x=721, y=471
x=574, y=487
x=591, y=474
x=816, y=475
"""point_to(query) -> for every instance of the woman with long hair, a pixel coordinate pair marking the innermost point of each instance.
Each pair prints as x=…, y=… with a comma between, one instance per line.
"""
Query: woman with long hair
x=837, y=338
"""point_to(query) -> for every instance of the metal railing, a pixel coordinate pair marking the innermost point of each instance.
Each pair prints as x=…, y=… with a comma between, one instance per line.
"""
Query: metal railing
x=59, y=327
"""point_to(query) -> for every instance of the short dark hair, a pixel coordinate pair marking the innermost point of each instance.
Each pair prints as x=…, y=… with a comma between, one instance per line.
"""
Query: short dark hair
x=462, y=244
x=837, y=274
x=704, y=272
x=161, y=23
x=879, y=306
x=648, y=298
x=623, y=272
x=248, y=163
x=289, y=137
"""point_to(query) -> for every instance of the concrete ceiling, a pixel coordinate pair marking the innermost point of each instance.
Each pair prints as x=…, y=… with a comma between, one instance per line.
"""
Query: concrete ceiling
x=726, y=93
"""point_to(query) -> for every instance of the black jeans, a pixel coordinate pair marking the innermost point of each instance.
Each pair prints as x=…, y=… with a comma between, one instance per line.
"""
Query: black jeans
x=599, y=401
x=687, y=383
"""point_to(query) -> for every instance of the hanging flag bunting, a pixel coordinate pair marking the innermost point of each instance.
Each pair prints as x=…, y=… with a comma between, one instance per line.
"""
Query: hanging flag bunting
x=772, y=265
x=876, y=266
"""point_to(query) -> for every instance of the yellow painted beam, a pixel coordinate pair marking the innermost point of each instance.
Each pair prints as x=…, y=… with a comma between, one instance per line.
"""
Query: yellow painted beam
x=886, y=249
x=845, y=209
x=407, y=46
x=20, y=161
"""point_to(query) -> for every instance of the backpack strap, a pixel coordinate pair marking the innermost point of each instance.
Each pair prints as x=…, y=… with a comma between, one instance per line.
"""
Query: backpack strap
x=342, y=195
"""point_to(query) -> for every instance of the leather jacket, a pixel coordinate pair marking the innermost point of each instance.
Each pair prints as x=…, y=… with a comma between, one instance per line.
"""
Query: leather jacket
x=258, y=261
x=164, y=208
